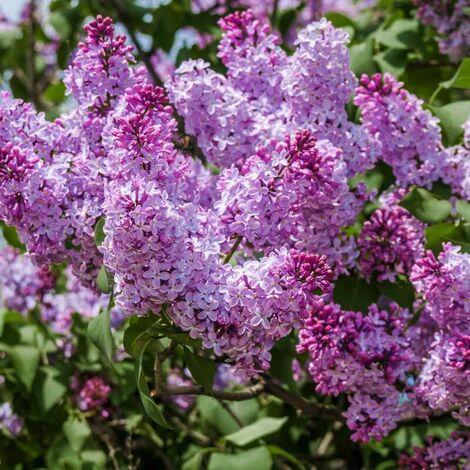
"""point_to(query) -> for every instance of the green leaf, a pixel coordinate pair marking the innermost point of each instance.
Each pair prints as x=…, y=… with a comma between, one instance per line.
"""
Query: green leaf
x=261, y=428
x=362, y=60
x=461, y=79
x=216, y=416
x=99, y=332
x=150, y=407
x=426, y=207
x=103, y=280
x=138, y=333
x=339, y=20
x=258, y=458
x=25, y=361
x=99, y=231
x=402, y=34
x=93, y=459
x=60, y=23
x=452, y=117
x=48, y=388
x=3, y=313
x=283, y=353
x=201, y=368
x=354, y=293
x=55, y=92
x=392, y=61
x=463, y=208
x=278, y=452
x=401, y=291
x=438, y=234
x=76, y=431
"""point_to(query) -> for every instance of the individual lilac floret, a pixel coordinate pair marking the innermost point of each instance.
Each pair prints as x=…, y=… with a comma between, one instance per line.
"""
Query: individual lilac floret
x=390, y=242
x=451, y=20
x=409, y=136
x=449, y=454
x=93, y=396
x=9, y=420
x=348, y=350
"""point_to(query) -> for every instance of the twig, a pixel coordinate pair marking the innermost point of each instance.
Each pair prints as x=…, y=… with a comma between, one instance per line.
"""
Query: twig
x=111, y=451
x=245, y=394
x=238, y=240
x=231, y=413
x=307, y=408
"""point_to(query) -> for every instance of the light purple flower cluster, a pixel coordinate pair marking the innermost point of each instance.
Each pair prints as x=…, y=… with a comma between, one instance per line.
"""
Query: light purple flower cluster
x=445, y=285
x=368, y=358
x=458, y=165
x=22, y=284
x=451, y=20
x=408, y=135
x=25, y=286
x=53, y=173
x=165, y=247
x=9, y=420
x=177, y=378
x=449, y=454
x=389, y=244
x=93, y=395
x=267, y=95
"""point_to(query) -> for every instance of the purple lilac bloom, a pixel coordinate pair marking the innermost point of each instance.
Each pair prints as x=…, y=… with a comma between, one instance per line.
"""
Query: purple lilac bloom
x=449, y=454
x=451, y=20
x=9, y=420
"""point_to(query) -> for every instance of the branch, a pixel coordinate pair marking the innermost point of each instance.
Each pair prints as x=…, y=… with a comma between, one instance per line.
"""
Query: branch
x=245, y=394
x=233, y=249
x=308, y=408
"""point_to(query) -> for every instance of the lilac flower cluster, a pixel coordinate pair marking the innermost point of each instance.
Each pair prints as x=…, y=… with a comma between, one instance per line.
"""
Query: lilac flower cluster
x=408, y=135
x=9, y=420
x=164, y=245
x=267, y=95
x=22, y=284
x=25, y=286
x=93, y=395
x=348, y=350
x=445, y=285
x=450, y=454
x=451, y=20
x=390, y=242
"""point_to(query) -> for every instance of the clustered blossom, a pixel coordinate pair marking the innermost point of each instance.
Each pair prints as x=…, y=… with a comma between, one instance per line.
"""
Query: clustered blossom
x=9, y=420
x=408, y=135
x=450, y=454
x=93, y=395
x=451, y=20
x=390, y=242
x=348, y=350
x=176, y=378
x=165, y=245
x=233, y=115
x=22, y=284
x=458, y=165
x=445, y=285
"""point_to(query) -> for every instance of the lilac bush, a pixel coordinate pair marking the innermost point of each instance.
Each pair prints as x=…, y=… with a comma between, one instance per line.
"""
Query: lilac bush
x=271, y=227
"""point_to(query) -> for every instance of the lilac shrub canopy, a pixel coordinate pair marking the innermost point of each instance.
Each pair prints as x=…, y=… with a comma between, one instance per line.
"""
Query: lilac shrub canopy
x=269, y=222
